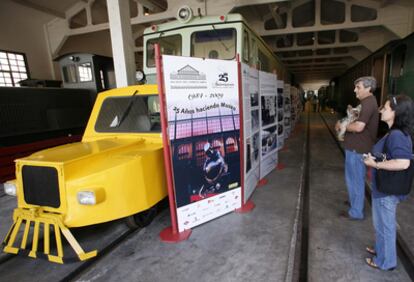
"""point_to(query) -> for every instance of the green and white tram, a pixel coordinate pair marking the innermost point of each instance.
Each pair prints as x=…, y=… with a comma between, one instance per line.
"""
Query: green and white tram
x=215, y=37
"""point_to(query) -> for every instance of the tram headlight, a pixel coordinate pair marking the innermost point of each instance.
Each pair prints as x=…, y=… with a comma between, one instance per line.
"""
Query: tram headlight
x=10, y=189
x=184, y=14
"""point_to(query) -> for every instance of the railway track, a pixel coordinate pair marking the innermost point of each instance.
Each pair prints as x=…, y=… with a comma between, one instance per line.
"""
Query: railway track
x=102, y=253
x=11, y=265
x=111, y=236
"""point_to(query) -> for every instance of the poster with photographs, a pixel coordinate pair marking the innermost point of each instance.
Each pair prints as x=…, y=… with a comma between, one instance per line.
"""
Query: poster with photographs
x=254, y=87
x=287, y=110
x=296, y=105
x=202, y=105
x=255, y=119
x=293, y=107
x=268, y=117
x=280, y=115
x=250, y=90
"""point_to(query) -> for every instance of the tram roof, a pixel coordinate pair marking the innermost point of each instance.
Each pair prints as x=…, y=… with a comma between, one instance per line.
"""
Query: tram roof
x=204, y=20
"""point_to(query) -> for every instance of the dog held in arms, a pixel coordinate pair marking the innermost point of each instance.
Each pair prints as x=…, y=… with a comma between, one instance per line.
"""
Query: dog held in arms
x=352, y=115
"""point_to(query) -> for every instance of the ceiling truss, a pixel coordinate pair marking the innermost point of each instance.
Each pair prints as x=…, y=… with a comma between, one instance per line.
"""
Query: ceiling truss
x=324, y=37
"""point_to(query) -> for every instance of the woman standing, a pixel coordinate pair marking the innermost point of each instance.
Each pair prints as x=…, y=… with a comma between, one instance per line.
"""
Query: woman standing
x=397, y=112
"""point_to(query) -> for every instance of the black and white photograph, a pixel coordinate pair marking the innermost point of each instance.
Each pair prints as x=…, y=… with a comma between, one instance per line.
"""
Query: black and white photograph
x=287, y=121
x=269, y=140
x=254, y=99
x=280, y=116
x=287, y=104
x=256, y=147
x=255, y=120
x=279, y=129
x=248, y=154
x=268, y=110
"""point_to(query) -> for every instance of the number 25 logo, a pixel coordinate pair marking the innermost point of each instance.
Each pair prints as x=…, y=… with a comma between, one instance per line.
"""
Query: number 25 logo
x=224, y=77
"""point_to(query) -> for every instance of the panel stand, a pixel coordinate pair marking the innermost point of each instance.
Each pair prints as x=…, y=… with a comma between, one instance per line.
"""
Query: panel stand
x=262, y=182
x=280, y=166
x=247, y=207
x=169, y=236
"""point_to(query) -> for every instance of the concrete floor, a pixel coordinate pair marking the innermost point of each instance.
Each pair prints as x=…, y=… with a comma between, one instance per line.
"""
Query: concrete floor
x=255, y=246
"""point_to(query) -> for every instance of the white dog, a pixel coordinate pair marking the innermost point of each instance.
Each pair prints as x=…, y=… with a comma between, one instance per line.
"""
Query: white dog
x=352, y=115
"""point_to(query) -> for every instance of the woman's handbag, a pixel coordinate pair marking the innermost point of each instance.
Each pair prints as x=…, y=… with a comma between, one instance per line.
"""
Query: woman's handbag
x=395, y=182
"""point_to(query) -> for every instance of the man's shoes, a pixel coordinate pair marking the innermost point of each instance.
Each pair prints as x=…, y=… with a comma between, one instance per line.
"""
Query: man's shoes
x=345, y=215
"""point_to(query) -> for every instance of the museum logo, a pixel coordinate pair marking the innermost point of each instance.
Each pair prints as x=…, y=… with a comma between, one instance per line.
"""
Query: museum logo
x=187, y=73
x=188, y=78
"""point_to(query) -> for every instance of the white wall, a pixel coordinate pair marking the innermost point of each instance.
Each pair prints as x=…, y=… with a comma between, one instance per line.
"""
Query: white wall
x=315, y=85
x=21, y=30
x=98, y=43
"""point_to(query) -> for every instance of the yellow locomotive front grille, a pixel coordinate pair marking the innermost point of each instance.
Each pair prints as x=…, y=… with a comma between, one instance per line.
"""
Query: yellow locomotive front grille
x=41, y=186
x=34, y=220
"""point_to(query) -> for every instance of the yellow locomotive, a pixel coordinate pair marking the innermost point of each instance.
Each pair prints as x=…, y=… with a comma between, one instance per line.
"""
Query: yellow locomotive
x=116, y=171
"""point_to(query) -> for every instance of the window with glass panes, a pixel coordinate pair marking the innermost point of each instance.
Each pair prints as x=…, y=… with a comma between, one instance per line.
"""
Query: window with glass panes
x=183, y=129
x=85, y=72
x=199, y=127
x=200, y=154
x=13, y=68
x=227, y=123
x=185, y=152
x=214, y=125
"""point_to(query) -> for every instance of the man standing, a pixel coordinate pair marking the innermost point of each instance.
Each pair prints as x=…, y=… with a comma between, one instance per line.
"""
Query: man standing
x=360, y=136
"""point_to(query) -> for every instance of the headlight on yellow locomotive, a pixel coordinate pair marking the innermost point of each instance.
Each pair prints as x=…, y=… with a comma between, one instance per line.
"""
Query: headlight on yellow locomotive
x=10, y=188
x=86, y=198
x=91, y=197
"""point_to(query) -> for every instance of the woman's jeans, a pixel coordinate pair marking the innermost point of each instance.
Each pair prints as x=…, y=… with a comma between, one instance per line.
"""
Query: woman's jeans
x=384, y=219
x=355, y=171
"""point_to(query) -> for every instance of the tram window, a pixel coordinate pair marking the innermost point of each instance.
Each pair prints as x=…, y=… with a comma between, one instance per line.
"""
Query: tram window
x=214, y=44
x=398, y=58
x=254, y=52
x=69, y=73
x=102, y=79
x=129, y=114
x=264, y=62
x=169, y=45
x=154, y=112
x=85, y=72
x=246, y=49
x=110, y=75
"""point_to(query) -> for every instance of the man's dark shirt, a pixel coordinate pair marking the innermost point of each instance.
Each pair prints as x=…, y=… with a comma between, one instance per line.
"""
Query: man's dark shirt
x=362, y=142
